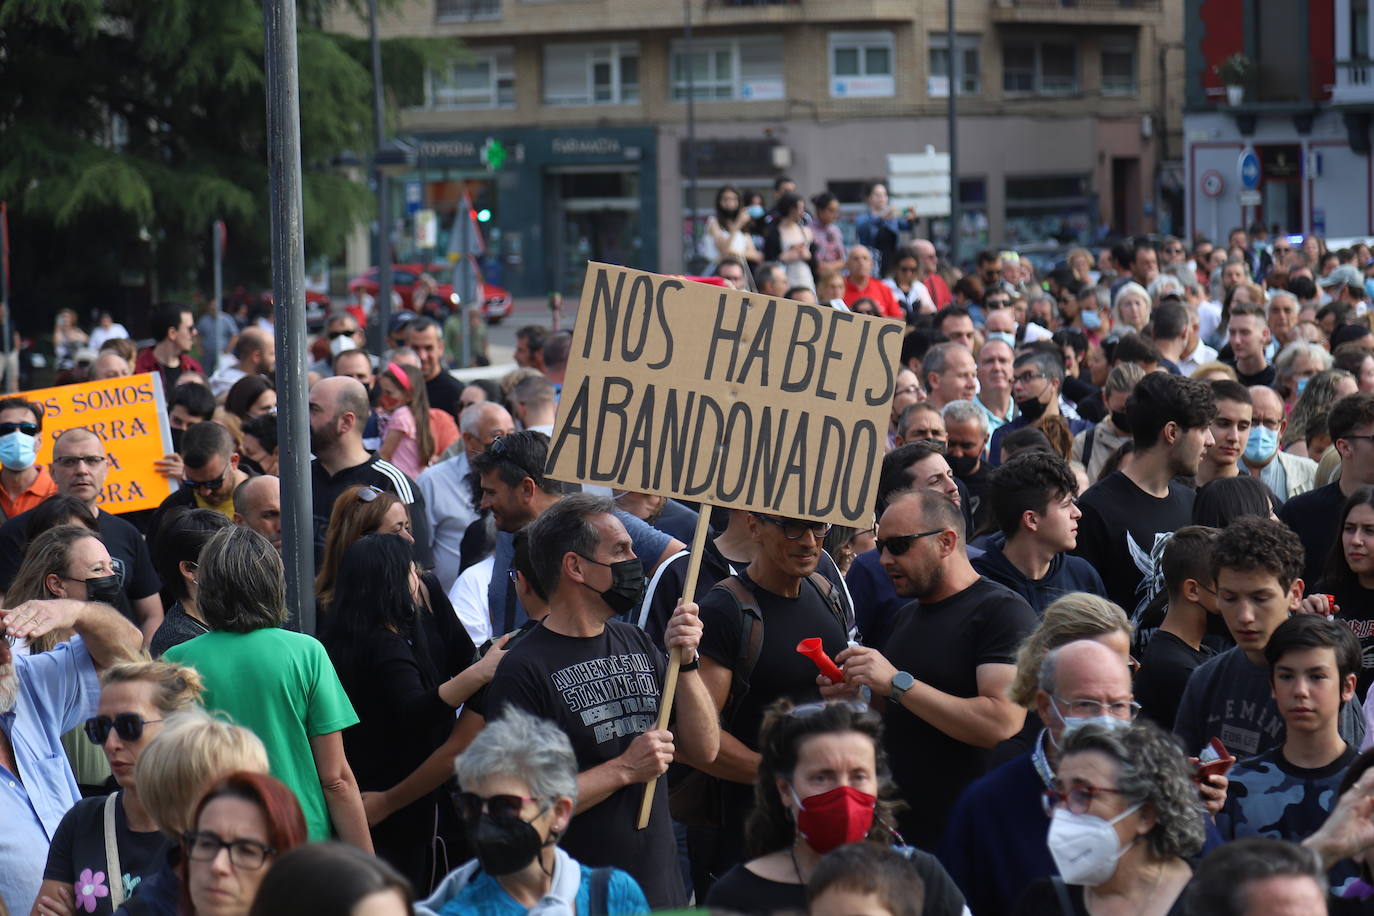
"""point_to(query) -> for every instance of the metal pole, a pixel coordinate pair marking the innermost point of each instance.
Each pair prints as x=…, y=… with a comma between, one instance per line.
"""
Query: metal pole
x=953, y=138
x=217, y=240
x=288, y=291
x=465, y=276
x=383, y=304
x=691, y=126
x=10, y=367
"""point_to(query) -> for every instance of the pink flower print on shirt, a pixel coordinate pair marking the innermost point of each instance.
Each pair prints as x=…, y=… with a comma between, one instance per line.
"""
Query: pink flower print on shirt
x=90, y=887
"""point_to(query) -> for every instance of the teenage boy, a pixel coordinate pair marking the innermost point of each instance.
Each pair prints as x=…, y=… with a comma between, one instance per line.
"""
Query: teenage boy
x=1034, y=503
x=1288, y=791
x=1230, y=432
x=1177, y=647
x=1130, y=515
x=1256, y=565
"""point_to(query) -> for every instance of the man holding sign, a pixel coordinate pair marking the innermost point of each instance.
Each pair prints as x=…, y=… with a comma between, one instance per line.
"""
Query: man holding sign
x=600, y=680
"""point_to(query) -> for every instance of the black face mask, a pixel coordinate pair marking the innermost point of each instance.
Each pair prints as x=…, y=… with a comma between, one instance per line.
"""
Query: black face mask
x=1120, y=421
x=627, y=585
x=963, y=465
x=177, y=435
x=504, y=843
x=104, y=589
x=1031, y=408
x=730, y=215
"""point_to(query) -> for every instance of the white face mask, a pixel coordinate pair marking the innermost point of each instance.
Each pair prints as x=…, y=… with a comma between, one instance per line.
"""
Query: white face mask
x=1085, y=847
x=1073, y=723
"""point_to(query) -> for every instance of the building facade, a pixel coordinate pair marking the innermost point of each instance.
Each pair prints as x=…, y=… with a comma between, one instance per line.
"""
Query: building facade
x=1291, y=148
x=1068, y=117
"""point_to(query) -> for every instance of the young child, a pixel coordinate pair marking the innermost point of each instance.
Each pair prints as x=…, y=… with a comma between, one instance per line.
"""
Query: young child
x=406, y=438
x=1176, y=649
x=1033, y=503
x=865, y=879
x=1256, y=564
x=1289, y=791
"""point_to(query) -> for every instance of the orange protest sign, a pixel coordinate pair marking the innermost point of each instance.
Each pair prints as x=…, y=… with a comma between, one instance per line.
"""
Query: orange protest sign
x=129, y=415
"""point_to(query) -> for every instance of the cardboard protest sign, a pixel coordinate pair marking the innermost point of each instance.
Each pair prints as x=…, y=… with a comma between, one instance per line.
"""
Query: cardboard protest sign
x=725, y=397
x=129, y=415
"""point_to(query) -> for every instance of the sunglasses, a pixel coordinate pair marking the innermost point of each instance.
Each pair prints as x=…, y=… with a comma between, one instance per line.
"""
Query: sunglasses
x=471, y=805
x=127, y=725
x=335, y=335
x=901, y=543
x=28, y=429
x=368, y=494
x=214, y=484
x=793, y=529
x=499, y=449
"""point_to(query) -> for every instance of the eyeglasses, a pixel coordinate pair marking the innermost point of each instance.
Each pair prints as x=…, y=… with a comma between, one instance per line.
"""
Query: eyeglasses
x=906, y=268
x=1077, y=800
x=127, y=725
x=907, y=389
x=1025, y=378
x=206, y=485
x=368, y=494
x=28, y=429
x=900, y=543
x=793, y=529
x=1087, y=709
x=69, y=462
x=471, y=805
x=1353, y=438
x=204, y=846
x=997, y=303
x=335, y=335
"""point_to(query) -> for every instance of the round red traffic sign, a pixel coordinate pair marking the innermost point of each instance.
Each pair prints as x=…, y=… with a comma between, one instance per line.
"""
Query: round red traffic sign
x=1212, y=183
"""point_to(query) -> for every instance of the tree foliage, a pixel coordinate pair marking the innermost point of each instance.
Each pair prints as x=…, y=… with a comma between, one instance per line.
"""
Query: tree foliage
x=127, y=126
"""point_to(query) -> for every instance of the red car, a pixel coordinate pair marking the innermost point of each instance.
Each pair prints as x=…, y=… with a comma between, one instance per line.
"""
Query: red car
x=496, y=303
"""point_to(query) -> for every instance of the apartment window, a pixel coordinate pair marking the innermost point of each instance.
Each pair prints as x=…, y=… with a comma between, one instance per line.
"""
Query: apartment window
x=724, y=69
x=970, y=65
x=591, y=74
x=1359, y=29
x=485, y=80
x=861, y=65
x=1118, y=68
x=464, y=10
x=1040, y=68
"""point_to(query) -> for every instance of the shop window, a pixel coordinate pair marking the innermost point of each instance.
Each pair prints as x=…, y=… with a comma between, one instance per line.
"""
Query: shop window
x=970, y=65
x=973, y=218
x=1118, y=68
x=591, y=74
x=1044, y=207
x=748, y=69
x=861, y=65
x=485, y=80
x=1039, y=68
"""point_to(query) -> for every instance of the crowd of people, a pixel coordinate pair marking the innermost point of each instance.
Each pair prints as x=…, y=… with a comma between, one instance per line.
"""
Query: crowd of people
x=1105, y=648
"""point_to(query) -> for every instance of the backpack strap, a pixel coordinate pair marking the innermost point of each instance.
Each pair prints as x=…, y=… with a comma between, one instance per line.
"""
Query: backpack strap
x=114, y=874
x=1061, y=890
x=750, y=642
x=834, y=601
x=598, y=892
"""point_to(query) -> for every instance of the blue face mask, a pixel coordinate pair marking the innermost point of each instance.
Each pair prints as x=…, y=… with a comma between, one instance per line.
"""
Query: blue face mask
x=1091, y=320
x=1261, y=445
x=755, y=210
x=1008, y=339
x=1302, y=385
x=18, y=451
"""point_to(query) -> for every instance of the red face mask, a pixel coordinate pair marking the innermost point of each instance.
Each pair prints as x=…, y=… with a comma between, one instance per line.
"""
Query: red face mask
x=838, y=817
x=388, y=402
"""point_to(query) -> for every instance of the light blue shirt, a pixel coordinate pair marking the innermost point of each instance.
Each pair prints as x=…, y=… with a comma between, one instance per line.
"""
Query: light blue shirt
x=58, y=690
x=448, y=501
x=1274, y=476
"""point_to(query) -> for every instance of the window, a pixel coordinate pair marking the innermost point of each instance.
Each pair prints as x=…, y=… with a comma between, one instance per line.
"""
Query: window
x=1040, y=68
x=724, y=69
x=599, y=74
x=486, y=80
x=861, y=65
x=1118, y=68
x=464, y=10
x=1359, y=29
x=970, y=82
x=1042, y=207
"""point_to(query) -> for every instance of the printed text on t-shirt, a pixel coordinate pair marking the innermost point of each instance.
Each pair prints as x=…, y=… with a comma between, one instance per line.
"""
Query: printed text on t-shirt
x=614, y=696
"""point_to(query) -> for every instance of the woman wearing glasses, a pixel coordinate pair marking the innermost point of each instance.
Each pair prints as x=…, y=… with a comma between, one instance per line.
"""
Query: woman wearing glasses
x=240, y=827
x=519, y=782
x=1124, y=817
x=823, y=783
x=105, y=846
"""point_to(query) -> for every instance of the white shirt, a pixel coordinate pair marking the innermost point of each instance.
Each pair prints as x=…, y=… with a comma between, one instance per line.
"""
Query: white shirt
x=225, y=376
x=1203, y=354
x=113, y=332
x=448, y=503
x=469, y=599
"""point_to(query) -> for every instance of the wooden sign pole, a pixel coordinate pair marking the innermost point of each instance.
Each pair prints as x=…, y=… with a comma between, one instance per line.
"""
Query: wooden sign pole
x=665, y=706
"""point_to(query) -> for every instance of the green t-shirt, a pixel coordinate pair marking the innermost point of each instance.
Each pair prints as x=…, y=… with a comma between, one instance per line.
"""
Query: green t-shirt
x=282, y=686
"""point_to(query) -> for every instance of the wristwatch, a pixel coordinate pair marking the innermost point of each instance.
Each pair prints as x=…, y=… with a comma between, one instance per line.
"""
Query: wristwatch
x=902, y=681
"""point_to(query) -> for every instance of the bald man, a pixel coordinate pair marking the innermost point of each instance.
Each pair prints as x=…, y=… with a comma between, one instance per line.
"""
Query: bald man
x=447, y=492
x=254, y=353
x=257, y=505
x=108, y=365
x=1286, y=475
x=338, y=412
x=860, y=283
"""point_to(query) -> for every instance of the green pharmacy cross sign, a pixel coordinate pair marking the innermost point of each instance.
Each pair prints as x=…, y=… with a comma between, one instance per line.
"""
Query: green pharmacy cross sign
x=494, y=154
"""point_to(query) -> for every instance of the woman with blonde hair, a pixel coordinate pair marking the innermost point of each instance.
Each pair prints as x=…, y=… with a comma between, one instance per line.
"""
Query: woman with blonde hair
x=1214, y=371
x=106, y=845
x=1130, y=309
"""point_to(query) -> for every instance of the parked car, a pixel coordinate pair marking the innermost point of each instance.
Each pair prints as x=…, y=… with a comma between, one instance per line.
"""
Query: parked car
x=494, y=301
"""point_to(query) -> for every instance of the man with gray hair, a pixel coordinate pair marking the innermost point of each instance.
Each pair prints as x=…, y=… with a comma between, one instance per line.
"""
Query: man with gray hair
x=534, y=402
x=556, y=350
x=920, y=422
x=600, y=680
x=950, y=374
x=1036, y=379
x=448, y=492
x=966, y=439
x=770, y=279
x=1281, y=315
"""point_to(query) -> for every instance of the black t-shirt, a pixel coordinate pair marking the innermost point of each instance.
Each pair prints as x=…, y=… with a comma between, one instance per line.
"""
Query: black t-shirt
x=78, y=845
x=126, y=547
x=1164, y=671
x=1123, y=532
x=444, y=392
x=603, y=691
x=979, y=501
x=942, y=644
x=177, y=627
x=741, y=891
x=373, y=472
x=1357, y=612
x=1313, y=516
x=1265, y=376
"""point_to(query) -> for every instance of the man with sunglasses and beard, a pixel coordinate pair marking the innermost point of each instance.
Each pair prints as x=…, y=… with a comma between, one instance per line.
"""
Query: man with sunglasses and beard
x=945, y=670
x=212, y=474
x=41, y=698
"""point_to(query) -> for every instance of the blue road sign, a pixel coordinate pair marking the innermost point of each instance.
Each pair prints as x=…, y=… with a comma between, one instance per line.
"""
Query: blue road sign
x=1249, y=170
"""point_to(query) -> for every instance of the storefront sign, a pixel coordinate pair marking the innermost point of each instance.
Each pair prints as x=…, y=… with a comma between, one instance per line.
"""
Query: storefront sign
x=725, y=397
x=130, y=417
x=586, y=146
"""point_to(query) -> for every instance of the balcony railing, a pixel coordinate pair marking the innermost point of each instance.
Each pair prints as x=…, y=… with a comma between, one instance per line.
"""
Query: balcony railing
x=466, y=10
x=1354, y=82
x=740, y=3
x=1080, y=4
